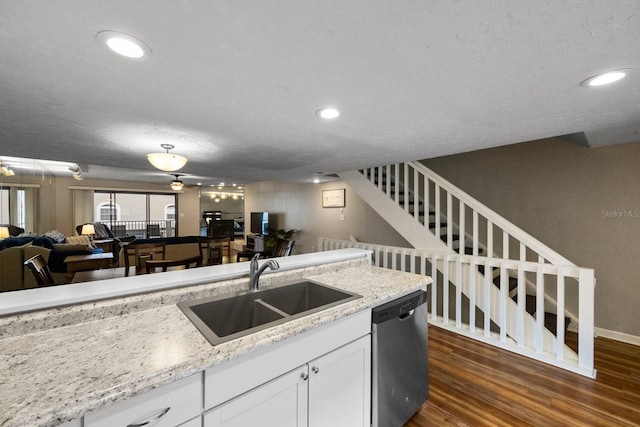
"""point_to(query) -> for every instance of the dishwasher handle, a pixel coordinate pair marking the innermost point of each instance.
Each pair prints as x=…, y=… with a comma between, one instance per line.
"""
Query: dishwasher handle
x=407, y=315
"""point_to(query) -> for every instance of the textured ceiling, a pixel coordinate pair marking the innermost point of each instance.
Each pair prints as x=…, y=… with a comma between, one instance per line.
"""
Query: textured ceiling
x=235, y=85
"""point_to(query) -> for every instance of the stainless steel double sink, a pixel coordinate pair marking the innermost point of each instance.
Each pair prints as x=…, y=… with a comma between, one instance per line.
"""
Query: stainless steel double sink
x=226, y=317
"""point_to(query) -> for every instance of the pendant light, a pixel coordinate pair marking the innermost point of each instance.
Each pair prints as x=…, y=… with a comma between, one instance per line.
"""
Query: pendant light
x=166, y=161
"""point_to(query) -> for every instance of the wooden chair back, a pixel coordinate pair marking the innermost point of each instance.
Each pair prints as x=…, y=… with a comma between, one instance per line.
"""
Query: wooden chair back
x=40, y=270
x=210, y=250
x=283, y=248
x=153, y=230
x=142, y=252
x=152, y=265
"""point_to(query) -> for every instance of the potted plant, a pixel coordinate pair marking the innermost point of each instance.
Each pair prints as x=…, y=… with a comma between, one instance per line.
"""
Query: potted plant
x=273, y=234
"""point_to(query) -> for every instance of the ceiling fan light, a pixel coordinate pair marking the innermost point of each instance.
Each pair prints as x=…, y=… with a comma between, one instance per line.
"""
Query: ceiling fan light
x=177, y=185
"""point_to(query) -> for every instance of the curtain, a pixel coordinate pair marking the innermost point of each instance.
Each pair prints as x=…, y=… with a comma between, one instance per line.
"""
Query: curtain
x=82, y=206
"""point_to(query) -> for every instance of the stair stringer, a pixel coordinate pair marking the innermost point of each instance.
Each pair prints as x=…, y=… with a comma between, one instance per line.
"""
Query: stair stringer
x=421, y=237
x=412, y=231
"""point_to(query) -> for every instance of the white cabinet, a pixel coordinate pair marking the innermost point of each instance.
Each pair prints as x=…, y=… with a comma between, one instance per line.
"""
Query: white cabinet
x=340, y=386
x=332, y=390
x=166, y=406
x=281, y=402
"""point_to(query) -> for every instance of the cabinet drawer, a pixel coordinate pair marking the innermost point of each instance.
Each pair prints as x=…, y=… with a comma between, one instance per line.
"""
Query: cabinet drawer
x=183, y=398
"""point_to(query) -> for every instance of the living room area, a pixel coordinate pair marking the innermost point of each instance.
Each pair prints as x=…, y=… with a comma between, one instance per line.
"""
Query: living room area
x=55, y=207
x=82, y=231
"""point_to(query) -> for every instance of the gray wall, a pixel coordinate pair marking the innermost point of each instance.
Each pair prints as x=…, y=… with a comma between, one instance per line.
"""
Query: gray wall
x=582, y=202
x=300, y=206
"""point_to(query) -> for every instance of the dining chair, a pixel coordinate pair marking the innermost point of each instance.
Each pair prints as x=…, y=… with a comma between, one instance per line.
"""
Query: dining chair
x=151, y=265
x=141, y=253
x=210, y=250
x=153, y=230
x=40, y=270
x=283, y=248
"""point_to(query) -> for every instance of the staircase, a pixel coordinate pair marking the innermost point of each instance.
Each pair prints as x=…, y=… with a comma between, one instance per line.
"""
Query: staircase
x=525, y=276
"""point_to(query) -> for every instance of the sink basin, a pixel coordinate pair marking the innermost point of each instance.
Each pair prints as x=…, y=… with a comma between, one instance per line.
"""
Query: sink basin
x=303, y=296
x=229, y=316
x=223, y=318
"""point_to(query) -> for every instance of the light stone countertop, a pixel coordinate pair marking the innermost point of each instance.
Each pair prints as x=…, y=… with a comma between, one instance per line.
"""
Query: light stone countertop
x=63, y=363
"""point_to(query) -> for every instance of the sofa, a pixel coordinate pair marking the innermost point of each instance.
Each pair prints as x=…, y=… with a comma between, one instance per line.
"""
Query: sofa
x=14, y=251
x=14, y=275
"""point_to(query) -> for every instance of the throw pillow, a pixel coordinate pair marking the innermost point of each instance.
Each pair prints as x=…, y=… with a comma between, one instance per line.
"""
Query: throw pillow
x=56, y=236
x=81, y=240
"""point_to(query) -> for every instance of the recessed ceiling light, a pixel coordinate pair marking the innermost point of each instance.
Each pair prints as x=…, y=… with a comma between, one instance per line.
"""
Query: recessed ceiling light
x=328, y=113
x=316, y=180
x=124, y=44
x=606, y=78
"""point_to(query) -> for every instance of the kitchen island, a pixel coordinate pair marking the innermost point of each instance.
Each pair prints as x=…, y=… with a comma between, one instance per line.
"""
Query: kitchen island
x=91, y=349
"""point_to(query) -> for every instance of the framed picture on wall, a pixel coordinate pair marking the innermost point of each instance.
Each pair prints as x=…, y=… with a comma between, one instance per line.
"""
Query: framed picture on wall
x=333, y=198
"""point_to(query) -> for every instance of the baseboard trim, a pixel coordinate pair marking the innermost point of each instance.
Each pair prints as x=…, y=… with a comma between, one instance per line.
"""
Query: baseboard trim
x=618, y=336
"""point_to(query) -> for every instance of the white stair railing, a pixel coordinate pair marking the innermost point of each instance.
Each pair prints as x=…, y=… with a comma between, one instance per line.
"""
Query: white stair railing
x=450, y=308
x=463, y=223
x=420, y=190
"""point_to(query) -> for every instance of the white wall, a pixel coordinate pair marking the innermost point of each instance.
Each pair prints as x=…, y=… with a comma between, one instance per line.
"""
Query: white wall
x=300, y=206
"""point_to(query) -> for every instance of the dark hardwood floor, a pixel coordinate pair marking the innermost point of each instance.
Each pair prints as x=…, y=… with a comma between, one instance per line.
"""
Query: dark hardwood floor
x=473, y=384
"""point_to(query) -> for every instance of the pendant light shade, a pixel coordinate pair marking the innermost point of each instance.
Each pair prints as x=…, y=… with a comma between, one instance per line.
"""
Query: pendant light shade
x=166, y=161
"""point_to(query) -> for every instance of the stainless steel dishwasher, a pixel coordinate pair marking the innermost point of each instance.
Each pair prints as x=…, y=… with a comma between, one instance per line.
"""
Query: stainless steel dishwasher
x=400, y=375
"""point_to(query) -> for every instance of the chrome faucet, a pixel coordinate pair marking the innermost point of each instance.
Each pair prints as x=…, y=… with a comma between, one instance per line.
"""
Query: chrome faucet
x=255, y=272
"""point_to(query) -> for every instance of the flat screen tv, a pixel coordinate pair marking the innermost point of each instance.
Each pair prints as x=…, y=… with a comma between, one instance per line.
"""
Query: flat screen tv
x=259, y=222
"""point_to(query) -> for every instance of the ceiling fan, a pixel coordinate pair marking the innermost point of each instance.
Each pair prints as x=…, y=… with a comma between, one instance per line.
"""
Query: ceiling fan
x=177, y=184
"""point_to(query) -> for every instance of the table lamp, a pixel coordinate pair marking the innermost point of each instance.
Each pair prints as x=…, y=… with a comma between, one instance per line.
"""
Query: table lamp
x=88, y=230
x=4, y=232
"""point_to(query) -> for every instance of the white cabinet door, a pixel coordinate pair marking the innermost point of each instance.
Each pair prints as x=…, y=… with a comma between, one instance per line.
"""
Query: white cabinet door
x=281, y=402
x=340, y=386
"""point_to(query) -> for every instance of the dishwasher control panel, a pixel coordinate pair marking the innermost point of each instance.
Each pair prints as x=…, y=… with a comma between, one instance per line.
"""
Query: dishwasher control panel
x=398, y=307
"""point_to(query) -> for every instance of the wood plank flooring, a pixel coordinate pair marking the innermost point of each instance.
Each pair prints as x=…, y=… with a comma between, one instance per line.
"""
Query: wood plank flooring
x=473, y=384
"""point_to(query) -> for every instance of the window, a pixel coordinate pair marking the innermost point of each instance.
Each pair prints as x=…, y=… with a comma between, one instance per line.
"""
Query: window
x=170, y=212
x=130, y=213
x=107, y=211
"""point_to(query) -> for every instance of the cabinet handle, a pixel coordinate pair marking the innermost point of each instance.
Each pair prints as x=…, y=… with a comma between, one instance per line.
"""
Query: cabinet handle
x=152, y=419
x=315, y=369
x=304, y=376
